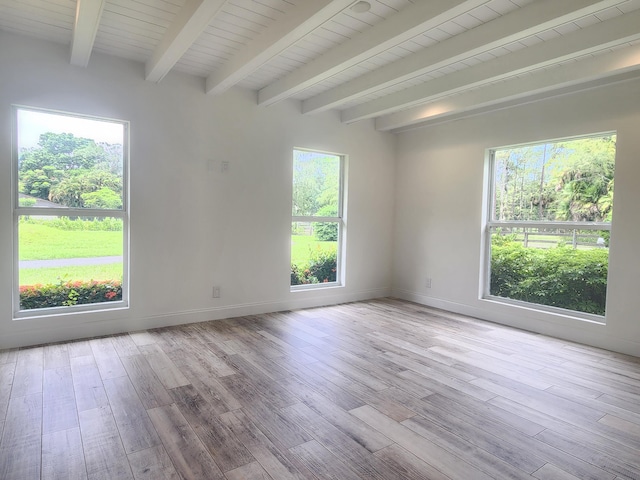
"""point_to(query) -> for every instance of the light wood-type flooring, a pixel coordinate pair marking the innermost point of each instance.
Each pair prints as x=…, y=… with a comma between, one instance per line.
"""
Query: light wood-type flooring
x=383, y=389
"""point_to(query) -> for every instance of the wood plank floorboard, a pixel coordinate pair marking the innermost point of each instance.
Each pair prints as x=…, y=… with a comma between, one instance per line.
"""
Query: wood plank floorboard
x=379, y=389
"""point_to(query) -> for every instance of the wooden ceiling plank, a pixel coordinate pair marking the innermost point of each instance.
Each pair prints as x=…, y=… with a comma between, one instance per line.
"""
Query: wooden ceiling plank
x=589, y=72
x=397, y=29
x=616, y=31
x=306, y=17
x=188, y=25
x=518, y=24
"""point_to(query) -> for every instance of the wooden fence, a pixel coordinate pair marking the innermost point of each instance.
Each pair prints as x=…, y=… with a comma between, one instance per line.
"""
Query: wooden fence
x=542, y=239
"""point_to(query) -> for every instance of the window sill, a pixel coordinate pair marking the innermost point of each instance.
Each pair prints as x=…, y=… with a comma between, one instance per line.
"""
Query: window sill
x=54, y=312
x=559, y=313
x=315, y=286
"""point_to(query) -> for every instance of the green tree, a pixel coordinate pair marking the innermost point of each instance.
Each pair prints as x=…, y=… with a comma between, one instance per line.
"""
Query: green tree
x=571, y=181
x=65, y=169
x=70, y=191
x=37, y=183
x=316, y=182
x=64, y=151
x=326, y=231
x=102, y=198
x=585, y=186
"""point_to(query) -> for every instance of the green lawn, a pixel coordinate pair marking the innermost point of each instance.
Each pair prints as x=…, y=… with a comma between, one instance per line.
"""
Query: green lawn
x=47, y=276
x=41, y=242
x=303, y=245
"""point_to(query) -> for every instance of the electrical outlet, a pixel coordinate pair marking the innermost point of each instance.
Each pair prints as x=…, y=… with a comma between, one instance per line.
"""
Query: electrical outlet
x=224, y=166
x=427, y=282
x=216, y=291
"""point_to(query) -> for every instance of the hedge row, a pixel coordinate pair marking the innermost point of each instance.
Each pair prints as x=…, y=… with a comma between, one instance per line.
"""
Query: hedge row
x=69, y=293
x=322, y=268
x=559, y=277
x=108, y=224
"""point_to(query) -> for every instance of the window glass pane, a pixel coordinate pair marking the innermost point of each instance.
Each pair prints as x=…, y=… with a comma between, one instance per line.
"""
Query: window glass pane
x=316, y=184
x=564, y=268
x=68, y=261
x=66, y=161
x=568, y=180
x=314, y=252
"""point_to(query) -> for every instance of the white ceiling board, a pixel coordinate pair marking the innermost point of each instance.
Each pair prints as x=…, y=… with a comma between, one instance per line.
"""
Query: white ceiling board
x=534, y=18
x=396, y=29
x=598, y=38
x=187, y=25
x=309, y=15
x=49, y=20
x=398, y=58
x=569, y=74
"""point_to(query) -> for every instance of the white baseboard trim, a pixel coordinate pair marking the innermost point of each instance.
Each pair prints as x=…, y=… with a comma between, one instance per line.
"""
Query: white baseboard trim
x=128, y=323
x=583, y=332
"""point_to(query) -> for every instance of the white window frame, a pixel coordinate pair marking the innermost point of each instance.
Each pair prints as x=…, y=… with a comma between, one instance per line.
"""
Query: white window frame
x=490, y=224
x=19, y=211
x=339, y=219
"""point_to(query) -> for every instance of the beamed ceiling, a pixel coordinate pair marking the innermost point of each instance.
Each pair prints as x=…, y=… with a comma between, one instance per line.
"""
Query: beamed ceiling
x=403, y=63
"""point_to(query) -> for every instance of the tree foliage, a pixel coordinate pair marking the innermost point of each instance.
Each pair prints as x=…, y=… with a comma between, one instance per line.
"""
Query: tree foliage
x=316, y=183
x=326, y=231
x=316, y=190
x=564, y=181
x=72, y=171
x=585, y=186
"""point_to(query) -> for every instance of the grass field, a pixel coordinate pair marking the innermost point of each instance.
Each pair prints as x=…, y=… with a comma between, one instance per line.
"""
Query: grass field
x=46, y=276
x=303, y=245
x=41, y=242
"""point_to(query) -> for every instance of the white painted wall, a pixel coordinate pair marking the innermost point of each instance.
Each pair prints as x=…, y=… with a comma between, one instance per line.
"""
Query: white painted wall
x=192, y=228
x=439, y=202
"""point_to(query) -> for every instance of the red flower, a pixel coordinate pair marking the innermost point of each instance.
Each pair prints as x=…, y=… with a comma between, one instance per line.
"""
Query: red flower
x=110, y=295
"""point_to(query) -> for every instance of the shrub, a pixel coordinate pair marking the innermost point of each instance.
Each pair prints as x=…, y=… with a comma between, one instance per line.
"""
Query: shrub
x=322, y=268
x=326, y=231
x=69, y=293
x=107, y=224
x=102, y=198
x=295, y=275
x=560, y=277
x=27, y=202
